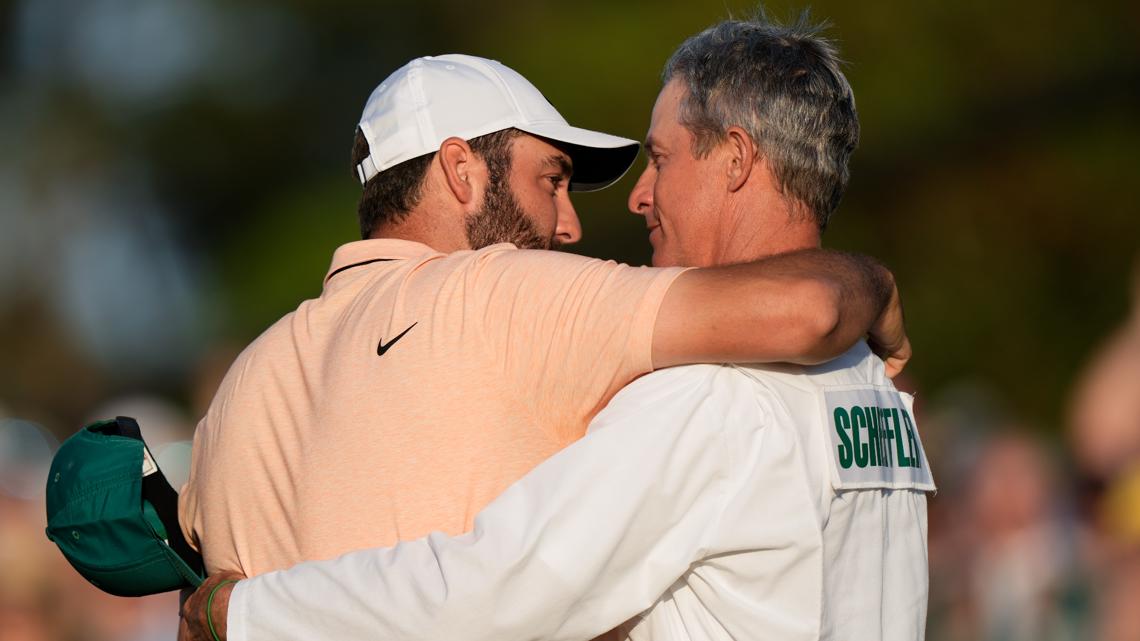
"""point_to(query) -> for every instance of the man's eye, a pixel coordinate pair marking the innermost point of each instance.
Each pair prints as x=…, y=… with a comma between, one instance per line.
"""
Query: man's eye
x=556, y=181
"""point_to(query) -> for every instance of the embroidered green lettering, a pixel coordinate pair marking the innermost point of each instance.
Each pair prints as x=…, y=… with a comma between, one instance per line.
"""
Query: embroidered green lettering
x=873, y=435
x=904, y=461
x=888, y=434
x=858, y=419
x=916, y=460
x=842, y=426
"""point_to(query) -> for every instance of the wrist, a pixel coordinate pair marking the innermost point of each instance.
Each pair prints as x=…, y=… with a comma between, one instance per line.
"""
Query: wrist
x=218, y=608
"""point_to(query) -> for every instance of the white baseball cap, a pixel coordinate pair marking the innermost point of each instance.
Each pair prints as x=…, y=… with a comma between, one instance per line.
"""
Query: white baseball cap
x=434, y=98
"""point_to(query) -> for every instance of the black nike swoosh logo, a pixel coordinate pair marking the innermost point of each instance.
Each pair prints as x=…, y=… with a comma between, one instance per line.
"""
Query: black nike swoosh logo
x=382, y=347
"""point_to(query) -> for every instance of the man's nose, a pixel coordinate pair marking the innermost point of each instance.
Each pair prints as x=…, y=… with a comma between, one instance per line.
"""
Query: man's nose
x=641, y=197
x=569, y=228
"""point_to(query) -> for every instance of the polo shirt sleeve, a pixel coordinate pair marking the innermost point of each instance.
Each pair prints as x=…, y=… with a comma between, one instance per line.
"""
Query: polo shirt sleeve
x=591, y=537
x=566, y=332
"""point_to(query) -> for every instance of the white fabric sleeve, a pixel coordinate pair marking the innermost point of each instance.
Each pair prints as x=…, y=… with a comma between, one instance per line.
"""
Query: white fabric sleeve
x=585, y=541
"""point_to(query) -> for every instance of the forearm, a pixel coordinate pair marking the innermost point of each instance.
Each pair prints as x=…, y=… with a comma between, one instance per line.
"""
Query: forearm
x=802, y=307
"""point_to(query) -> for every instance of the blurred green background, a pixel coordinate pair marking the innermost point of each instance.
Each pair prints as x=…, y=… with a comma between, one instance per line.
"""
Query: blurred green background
x=175, y=172
x=175, y=177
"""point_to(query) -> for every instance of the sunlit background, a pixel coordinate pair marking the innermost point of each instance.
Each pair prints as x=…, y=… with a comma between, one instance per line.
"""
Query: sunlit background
x=175, y=177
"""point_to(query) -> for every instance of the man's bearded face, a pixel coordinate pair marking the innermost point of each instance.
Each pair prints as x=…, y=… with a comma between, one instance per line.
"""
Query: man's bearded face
x=501, y=219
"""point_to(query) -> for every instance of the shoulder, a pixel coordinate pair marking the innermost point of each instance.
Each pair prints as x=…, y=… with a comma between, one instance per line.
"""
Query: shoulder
x=668, y=382
x=857, y=366
x=506, y=255
x=676, y=394
x=539, y=264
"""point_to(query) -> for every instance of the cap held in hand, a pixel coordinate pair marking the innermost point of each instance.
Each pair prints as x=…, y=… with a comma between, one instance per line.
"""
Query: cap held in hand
x=114, y=515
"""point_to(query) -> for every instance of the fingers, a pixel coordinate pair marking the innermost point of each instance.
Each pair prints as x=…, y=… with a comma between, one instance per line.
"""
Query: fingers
x=895, y=363
x=902, y=357
x=194, y=625
x=888, y=337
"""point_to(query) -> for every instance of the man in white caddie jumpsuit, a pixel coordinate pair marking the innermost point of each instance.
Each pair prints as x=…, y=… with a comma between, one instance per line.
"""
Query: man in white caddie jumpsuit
x=707, y=501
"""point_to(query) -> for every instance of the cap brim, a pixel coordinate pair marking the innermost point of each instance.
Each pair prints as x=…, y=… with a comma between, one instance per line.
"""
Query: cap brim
x=600, y=159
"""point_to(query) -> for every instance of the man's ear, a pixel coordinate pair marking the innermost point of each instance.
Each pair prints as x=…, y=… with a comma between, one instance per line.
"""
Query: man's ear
x=741, y=155
x=458, y=162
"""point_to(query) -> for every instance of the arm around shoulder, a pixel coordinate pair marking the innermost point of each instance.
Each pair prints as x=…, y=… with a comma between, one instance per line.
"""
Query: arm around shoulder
x=802, y=307
x=560, y=555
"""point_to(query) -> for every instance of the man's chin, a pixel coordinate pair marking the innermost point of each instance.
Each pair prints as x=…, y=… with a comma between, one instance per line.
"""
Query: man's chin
x=535, y=243
x=658, y=257
x=664, y=259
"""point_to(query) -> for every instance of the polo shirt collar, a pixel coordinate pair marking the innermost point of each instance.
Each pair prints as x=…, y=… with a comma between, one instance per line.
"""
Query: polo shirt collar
x=375, y=249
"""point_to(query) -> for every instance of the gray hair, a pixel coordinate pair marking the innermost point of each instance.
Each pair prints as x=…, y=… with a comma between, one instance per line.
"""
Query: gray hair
x=782, y=85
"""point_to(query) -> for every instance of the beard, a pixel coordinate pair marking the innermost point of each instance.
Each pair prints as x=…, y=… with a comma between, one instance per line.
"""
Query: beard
x=501, y=219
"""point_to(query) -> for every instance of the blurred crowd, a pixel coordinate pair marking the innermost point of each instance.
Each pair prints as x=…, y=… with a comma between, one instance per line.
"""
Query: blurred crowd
x=1031, y=538
x=1037, y=539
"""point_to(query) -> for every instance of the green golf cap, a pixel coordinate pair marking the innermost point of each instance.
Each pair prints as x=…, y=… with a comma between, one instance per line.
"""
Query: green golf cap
x=115, y=516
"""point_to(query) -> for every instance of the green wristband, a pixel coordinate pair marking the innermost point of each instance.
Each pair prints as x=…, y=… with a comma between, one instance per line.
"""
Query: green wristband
x=210, y=607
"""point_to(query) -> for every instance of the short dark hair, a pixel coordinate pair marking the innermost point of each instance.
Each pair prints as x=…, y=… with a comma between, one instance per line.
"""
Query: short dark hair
x=781, y=84
x=389, y=196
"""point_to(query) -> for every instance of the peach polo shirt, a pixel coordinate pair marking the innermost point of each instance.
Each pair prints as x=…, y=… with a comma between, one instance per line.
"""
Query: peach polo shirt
x=412, y=392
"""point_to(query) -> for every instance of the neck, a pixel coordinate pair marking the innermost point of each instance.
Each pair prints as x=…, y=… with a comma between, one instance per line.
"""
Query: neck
x=421, y=233
x=766, y=226
x=439, y=225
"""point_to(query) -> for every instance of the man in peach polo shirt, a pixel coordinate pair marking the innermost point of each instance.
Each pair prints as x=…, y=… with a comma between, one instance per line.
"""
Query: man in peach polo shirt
x=447, y=356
